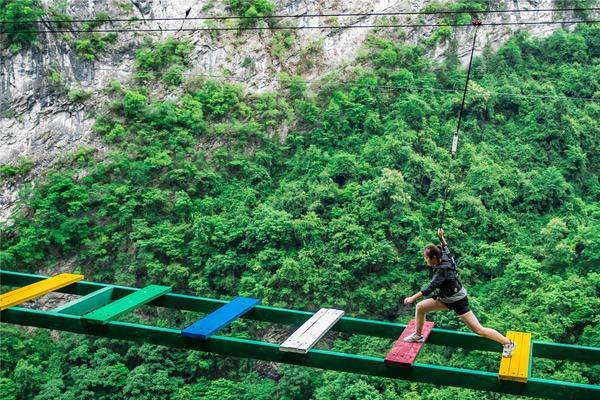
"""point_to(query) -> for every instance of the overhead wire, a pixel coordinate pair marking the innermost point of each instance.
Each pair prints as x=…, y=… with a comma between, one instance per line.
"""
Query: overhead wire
x=308, y=15
x=267, y=28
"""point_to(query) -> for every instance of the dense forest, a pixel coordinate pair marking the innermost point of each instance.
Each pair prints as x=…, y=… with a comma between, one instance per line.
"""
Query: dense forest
x=322, y=194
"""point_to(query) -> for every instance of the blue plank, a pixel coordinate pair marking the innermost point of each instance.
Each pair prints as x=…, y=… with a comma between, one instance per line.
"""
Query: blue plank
x=220, y=318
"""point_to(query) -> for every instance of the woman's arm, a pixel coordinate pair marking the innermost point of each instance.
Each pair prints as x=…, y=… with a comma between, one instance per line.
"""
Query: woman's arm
x=413, y=298
x=440, y=233
x=436, y=282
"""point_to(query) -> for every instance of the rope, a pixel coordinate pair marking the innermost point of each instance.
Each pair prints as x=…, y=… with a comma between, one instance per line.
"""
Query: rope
x=476, y=24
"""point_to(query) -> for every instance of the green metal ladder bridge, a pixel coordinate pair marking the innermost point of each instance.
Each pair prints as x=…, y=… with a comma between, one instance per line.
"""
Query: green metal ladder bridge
x=235, y=347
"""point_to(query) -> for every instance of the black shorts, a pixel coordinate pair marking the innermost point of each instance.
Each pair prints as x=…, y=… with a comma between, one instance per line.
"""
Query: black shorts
x=460, y=307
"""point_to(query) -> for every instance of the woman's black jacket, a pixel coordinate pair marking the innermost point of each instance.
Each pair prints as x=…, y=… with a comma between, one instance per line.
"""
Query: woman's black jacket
x=445, y=281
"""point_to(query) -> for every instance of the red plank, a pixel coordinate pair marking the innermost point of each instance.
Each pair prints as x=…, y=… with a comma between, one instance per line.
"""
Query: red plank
x=403, y=353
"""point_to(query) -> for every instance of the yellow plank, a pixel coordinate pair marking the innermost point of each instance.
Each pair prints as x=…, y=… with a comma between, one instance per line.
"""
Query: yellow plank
x=516, y=368
x=521, y=359
x=524, y=369
x=37, y=289
x=519, y=353
x=505, y=362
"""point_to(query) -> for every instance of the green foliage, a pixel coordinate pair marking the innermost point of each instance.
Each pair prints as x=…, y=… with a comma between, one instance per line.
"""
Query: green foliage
x=209, y=5
x=56, y=82
x=281, y=43
x=576, y=4
x=173, y=76
x=57, y=13
x=440, y=34
x=8, y=390
x=127, y=7
x=248, y=62
x=11, y=171
x=251, y=9
x=167, y=60
x=464, y=12
x=310, y=56
x=162, y=386
x=134, y=103
x=114, y=87
x=91, y=44
x=252, y=388
x=79, y=95
x=16, y=34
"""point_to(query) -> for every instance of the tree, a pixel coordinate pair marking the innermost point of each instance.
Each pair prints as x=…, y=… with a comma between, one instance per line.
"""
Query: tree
x=18, y=35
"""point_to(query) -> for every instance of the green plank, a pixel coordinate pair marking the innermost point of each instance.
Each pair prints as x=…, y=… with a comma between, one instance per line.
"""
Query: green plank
x=126, y=304
x=432, y=374
x=87, y=303
x=390, y=330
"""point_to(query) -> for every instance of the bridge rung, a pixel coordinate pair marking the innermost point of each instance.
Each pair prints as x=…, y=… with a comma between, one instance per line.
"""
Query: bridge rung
x=516, y=368
x=86, y=304
x=219, y=318
x=38, y=289
x=404, y=353
x=305, y=337
x=126, y=304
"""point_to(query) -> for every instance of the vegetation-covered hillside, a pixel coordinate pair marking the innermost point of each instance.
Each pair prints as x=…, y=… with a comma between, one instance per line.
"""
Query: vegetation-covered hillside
x=325, y=196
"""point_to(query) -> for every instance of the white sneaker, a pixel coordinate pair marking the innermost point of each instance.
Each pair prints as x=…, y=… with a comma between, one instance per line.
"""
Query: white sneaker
x=508, y=349
x=414, y=338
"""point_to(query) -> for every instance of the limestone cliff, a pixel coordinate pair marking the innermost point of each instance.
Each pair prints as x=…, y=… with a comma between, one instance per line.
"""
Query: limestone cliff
x=48, y=91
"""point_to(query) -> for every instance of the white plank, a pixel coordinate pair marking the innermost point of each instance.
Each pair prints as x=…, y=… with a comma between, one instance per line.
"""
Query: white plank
x=294, y=339
x=320, y=328
x=305, y=337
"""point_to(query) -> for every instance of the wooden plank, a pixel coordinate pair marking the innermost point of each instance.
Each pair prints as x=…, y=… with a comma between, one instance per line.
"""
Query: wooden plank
x=294, y=340
x=126, y=304
x=516, y=368
x=404, y=353
x=305, y=337
x=508, y=364
x=88, y=303
x=37, y=289
x=220, y=318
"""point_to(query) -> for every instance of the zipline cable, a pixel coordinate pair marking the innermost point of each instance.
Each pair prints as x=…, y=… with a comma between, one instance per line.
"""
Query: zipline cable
x=476, y=24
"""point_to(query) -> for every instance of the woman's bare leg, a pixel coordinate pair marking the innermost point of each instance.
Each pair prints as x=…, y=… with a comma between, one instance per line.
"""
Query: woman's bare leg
x=423, y=308
x=471, y=320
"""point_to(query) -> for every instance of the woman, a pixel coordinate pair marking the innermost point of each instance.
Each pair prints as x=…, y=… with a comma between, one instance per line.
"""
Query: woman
x=449, y=294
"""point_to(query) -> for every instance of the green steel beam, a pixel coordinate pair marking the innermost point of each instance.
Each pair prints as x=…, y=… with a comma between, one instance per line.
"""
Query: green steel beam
x=87, y=303
x=445, y=376
x=442, y=337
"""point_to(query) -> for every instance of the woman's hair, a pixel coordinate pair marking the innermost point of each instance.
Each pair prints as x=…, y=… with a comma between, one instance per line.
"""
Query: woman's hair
x=433, y=251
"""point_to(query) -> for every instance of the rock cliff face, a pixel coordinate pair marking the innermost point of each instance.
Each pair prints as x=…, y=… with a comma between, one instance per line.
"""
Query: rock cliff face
x=41, y=122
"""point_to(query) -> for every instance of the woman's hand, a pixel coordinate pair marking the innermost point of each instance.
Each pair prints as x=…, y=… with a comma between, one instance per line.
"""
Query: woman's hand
x=441, y=236
x=409, y=300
